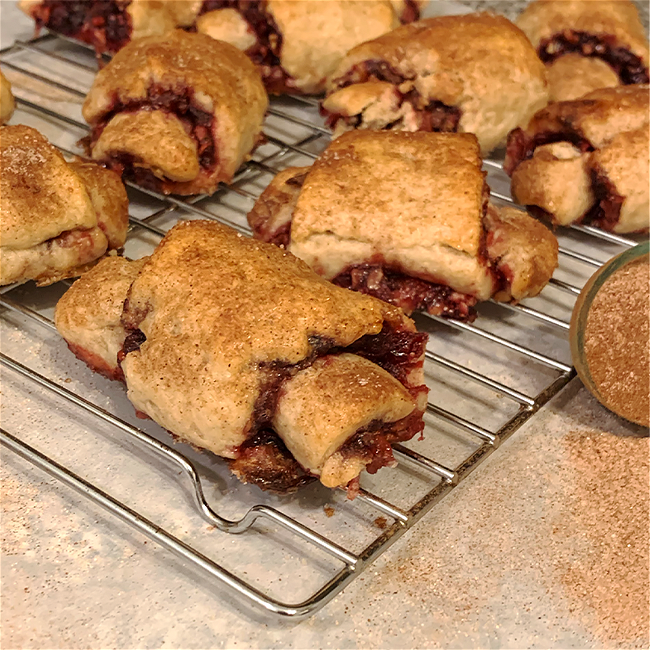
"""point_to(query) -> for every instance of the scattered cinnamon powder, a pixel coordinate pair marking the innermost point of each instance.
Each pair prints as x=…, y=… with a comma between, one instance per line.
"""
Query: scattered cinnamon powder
x=608, y=501
x=381, y=522
x=617, y=342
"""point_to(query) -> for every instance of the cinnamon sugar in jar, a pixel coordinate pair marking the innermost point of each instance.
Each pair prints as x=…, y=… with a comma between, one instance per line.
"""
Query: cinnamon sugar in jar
x=610, y=335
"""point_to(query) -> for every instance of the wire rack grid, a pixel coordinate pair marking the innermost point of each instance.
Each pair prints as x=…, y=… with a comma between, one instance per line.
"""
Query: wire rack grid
x=485, y=379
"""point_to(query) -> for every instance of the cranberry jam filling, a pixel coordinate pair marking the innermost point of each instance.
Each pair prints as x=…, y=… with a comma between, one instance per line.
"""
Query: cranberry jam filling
x=627, y=65
x=374, y=442
x=199, y=124
x=521, y=147
x=607, y=211
x=434, y=116
x=266, y=52
x=264, y=460
x=104, y=24
x=411, y=12
x=411, y=294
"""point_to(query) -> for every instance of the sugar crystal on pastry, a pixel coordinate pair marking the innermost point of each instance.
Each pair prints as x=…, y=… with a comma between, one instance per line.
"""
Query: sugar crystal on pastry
x=235, y=346
x=405, y=217
x=476, y=73
x=57, y=217
x=177, y=113
x=586, y=160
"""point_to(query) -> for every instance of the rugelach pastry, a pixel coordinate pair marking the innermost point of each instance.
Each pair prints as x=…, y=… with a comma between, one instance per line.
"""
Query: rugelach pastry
x=476, y=73
x=586, y=160
x=296, y=44
x=405, y=217
x=57, y=217
x=107, y=25
x=587, y=44
x=237, y=347
x=177, y=113
x=7, y=103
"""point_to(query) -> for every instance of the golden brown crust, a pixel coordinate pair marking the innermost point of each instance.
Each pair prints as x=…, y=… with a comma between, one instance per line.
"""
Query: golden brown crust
x=207, y=352
x=150, y=18
x=615, y=161
x=56, y=217
x=543, y=19
x=227, y=25
x=273, y=211
x=557, y=179
x=343, y=394
x=573, y=76
x=480, y=63
x=609, y=125
x=415, y=200
x=220, y=79
x=314, y=42
x=523, y=250
x=88, y=315
x=110, y=201
x=41, y=195
x=7, y=103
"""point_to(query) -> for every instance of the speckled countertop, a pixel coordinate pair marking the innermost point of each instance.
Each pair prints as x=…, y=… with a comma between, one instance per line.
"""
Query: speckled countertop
x=544, y=546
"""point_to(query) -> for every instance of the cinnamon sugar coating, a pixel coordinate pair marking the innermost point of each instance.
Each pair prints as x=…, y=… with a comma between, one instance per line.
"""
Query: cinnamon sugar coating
x=480, y=63
x=57, y=217
x=409, y=202
x=219, y=315
x=214, y=77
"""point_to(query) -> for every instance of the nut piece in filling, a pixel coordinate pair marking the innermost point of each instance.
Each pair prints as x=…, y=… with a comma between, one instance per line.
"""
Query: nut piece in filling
x=297, y=44
x=177, y=113
x=476, y=73
x=404, y=217
x=572, y=163
x=285, y=374
x=57, y=217
x=107, y=25
x=7, y=103
x=587, y=44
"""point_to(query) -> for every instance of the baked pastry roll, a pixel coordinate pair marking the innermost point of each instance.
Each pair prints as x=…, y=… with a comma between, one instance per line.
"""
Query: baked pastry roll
x=107, y=25
x=7, y=103
x=586, y=160
x=89, y=316
x=476, y=73
x=278, y=370
x=296, y=44
x=177, y=113
x=405, y=217
x=57, y=217
x=587, y=44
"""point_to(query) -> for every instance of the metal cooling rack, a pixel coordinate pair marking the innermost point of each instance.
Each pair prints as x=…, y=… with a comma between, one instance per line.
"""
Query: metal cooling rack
x=486, y=379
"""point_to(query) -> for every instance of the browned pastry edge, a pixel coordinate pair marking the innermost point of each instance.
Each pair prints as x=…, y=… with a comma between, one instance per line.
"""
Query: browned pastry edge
x=93, y=330
x=519, y=253
x=165, y=104
x=106, y=25
x=604, y=121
